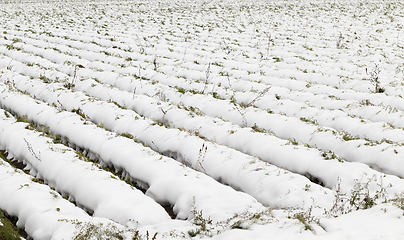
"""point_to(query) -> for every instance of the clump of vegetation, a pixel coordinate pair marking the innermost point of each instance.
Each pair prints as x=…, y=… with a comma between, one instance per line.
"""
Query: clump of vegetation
x=206, y=227
x=203, y=224
x=349, y=137
x=127, y=135
x=309, y=120
x=100, y=231
x=246, y=219
x=360, y=197
x=79, y=112
x=293, y=141
x=307, y=219
x=7, y=229
x=329, y=155
x=398, y=201
x=255, y=128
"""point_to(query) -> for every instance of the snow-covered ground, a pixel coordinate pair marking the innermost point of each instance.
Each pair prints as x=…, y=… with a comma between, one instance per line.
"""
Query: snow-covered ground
x=203, y=119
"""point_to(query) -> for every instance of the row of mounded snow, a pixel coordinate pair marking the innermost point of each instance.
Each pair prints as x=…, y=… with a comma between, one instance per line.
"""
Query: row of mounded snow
x=277, y=187
x=154, y=172
x=86, y=184
x=41, y=211
x=301, y=131
x=262, y=96
x=311, y=135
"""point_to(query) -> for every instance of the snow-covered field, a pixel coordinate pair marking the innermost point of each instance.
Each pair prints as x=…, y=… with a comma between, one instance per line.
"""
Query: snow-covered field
x=203, y=119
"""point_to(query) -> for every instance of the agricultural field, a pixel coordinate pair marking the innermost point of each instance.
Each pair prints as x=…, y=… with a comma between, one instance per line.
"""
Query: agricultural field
x=222, y=120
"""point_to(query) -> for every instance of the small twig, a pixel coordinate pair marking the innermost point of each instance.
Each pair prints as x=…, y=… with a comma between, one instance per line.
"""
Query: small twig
x=269, y=43
x=201, y=156
x=374, y=78
x=70, y=85
x=9, y=65
x=155, y=64
x=60, y=104
x=258, y=97
x=339, y=41
x=165, y=111
x=155, y=146
x=31, y=150
x=207, y=74
x=235, y=103
x=185, y=53
x=139, y=43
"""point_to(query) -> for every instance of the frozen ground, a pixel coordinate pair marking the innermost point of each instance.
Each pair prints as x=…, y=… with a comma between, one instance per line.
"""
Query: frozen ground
x=203, y=119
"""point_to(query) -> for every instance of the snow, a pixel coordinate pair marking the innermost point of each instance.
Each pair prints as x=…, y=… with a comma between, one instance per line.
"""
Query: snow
x=191, y=119
x=39, y=208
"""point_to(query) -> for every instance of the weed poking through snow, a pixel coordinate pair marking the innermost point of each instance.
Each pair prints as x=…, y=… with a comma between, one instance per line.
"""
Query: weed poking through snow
x=374, y=78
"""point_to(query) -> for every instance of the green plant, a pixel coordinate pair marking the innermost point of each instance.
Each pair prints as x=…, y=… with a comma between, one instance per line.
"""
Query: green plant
x=7, y=230
x=79, y=112
x=309, y=120
x=255, y=128
x=349, y=137
x=8, y=115
x=329, y=155
x=181, y=90
x=45, y=79
x=203, y=224
x=293, y=141
x=127, y=135
x=306, y=218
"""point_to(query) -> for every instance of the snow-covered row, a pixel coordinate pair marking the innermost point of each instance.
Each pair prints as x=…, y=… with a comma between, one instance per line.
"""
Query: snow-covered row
x=291, y=128
x=344, y=123
x=155, y=173
x=318, y=99
x=199, y=66
x=285, y=127
x=237, y=83
x=90, y=187
x=41, y=211
x=201, y=155
x=93, y=47
x=239, y=136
